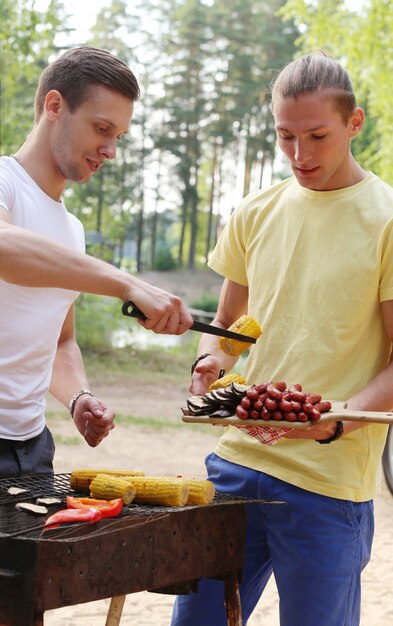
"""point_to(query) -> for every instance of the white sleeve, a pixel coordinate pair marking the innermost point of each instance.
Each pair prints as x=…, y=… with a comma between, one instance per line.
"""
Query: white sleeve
x=6, y=190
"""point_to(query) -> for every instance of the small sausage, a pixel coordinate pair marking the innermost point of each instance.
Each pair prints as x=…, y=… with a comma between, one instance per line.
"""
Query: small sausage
x=242, y=413
x=273, y=392
x=252, y=393
x=323, y=407
x=285, y=405
x=270, y=404
x=313, y=398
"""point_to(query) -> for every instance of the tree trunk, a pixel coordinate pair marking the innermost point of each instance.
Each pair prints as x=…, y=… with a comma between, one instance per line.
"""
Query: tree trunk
x=194, y=227
x=182, y=233
x=153, y=236
x=211, y=201
x=248, y=160
x=141, y=216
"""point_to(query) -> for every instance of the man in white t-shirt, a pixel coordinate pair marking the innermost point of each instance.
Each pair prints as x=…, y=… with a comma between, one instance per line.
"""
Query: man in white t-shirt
x=83, y=105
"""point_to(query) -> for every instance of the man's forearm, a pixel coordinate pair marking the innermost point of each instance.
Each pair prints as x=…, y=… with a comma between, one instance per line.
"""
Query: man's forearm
x=377, y=395
x=68, y=373
x=208, y=344
x=32, y=260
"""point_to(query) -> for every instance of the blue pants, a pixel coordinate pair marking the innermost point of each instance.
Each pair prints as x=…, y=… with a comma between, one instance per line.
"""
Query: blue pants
x=316, y=547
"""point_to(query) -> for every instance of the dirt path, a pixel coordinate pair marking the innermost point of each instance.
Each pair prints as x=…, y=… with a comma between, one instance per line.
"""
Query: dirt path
x=182, y=450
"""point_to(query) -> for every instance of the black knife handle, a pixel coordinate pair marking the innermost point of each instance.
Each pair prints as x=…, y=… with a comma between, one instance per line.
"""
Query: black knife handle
x=130, y=309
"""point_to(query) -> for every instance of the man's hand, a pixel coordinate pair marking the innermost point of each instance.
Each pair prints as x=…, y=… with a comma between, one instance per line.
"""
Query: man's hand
x=165, y=313
x=267, y=434
x=205, y=373
x=316, y=430
x=93, y=419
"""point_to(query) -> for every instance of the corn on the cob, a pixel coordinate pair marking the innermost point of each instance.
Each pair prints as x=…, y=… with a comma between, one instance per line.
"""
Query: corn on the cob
x=227, y=380
x=200, y=491
x=81, y=479
x=165, y=490
x=107, y=487
x=245, y=325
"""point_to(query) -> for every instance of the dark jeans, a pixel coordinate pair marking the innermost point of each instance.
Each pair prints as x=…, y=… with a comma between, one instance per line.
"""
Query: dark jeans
x=34, y=456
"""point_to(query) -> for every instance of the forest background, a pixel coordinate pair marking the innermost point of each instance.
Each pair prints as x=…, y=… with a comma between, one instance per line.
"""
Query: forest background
x=202, y=136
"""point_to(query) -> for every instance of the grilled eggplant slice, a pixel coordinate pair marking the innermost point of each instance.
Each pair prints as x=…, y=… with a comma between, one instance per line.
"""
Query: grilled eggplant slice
x=221, y=413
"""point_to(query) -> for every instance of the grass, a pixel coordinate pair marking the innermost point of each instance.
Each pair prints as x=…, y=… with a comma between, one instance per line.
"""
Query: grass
x=67, y=441
x=161, y=365
x=53, y=417
x=154, y=423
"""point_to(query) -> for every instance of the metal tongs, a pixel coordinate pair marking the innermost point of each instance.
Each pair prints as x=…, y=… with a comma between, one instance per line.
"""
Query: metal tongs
x=131, y=310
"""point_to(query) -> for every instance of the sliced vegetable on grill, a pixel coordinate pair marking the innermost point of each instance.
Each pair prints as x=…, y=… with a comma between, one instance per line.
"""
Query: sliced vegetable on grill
x=107, y=487
x=108, y=508
x=67, y=516
x=15, y=491
x=35, y=509
x=48, y=501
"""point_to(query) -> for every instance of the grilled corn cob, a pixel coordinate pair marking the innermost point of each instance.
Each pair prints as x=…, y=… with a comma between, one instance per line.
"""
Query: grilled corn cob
x=107, y=487
x=81, y=479
x=166, y=490
x=245, y=325
x=227, y=380
x=200, y=491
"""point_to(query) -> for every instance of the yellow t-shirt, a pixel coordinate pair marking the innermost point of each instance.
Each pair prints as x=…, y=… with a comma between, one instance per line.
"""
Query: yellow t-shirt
x=317, y=266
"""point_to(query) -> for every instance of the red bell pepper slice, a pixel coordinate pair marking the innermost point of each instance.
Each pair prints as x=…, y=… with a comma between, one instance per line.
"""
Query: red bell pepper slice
x=65, y=516
x=108, y=508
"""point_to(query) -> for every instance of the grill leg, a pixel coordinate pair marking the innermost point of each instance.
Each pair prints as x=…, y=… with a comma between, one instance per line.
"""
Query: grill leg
x=232, y=600
x=115, y=610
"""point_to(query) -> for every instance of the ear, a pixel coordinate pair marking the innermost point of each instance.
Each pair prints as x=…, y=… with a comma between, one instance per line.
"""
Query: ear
x=356, y=122
x=54, y=102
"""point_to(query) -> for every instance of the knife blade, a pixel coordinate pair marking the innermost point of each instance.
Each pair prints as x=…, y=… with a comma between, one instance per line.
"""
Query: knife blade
x=131, y=310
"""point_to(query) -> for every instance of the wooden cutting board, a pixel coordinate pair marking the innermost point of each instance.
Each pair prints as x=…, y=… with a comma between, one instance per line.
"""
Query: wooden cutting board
x=338, y=412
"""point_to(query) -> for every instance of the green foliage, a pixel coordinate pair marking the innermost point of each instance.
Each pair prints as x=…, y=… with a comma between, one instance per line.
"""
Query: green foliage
x=165, y=365
x=362, y=39
x=206, y=302
x=96, y=320
x=27, y=39
x=164, y=259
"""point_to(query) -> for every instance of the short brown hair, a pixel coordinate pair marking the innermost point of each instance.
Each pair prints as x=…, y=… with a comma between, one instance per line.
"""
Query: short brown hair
x=77, y=70
x=309, y=74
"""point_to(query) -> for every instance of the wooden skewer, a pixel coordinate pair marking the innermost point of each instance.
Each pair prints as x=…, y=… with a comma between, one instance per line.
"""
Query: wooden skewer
x=115, y=611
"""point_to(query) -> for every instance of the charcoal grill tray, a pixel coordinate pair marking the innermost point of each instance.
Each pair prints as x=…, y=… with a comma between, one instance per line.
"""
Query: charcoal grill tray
x=147, y=547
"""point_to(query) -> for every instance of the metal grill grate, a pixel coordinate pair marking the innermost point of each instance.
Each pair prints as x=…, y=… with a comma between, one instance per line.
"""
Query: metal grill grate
x=37, y=486
x=15, y=523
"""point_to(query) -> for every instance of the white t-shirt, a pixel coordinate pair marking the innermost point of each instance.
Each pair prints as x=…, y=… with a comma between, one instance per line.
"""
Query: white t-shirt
x=30, y=318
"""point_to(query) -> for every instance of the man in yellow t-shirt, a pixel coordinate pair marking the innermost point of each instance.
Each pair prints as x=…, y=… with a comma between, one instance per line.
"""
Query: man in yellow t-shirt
x=311, y=259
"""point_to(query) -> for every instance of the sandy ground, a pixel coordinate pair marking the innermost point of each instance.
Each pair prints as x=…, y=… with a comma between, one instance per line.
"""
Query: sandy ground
x=182, y=451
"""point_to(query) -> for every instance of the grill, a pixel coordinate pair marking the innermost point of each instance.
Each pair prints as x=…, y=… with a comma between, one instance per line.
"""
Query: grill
x=155, y=548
